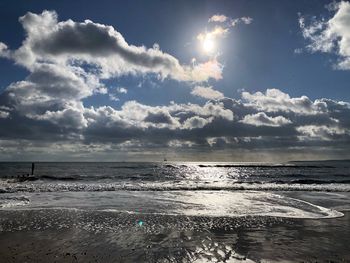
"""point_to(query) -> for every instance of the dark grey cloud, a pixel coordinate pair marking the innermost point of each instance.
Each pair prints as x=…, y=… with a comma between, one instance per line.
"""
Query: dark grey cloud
x=159, y=117
x=72, y=38
x=306, y=130
x=228, y=121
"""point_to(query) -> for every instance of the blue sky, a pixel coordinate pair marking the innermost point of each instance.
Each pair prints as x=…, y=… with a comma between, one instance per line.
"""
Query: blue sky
x=256, y=57
x=292, y=48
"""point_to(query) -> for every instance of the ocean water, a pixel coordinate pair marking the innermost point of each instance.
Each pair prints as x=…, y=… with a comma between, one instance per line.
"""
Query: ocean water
x=204, y=189
x=175, y=212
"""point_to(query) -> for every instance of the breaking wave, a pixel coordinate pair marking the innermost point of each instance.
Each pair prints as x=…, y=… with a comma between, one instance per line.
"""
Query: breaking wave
x=6, y=187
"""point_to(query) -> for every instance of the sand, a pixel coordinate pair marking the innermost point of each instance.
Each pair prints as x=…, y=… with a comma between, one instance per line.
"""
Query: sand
x=62, y=235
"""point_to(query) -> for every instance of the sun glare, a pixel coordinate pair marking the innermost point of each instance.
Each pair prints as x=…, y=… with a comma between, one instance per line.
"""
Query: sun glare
x=208, y=45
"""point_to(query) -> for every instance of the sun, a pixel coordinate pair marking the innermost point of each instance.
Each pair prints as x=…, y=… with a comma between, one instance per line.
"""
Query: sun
x=208, y=45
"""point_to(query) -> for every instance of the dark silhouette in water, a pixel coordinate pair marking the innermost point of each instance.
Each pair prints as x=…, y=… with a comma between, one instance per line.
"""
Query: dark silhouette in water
x=27, y=177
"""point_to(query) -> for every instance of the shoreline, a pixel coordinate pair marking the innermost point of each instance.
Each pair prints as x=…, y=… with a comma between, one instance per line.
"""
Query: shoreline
x=81, y=227
x=96, y=236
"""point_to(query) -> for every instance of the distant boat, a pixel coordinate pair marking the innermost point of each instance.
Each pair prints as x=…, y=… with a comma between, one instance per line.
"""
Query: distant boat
x=165, y=160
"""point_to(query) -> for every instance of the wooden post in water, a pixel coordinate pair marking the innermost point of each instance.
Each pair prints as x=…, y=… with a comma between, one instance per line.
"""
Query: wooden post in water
x=33, y=167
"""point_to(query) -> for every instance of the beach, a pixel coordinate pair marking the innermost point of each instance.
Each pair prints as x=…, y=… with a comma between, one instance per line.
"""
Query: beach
x=158, y=217
x=87, y=235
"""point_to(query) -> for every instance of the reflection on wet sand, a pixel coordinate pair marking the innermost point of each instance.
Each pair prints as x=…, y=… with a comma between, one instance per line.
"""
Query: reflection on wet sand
x=90, y=236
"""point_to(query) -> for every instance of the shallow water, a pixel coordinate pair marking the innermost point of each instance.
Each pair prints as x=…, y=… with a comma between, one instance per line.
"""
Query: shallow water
x=188, y=203
x=175, y=212
x=192, y=189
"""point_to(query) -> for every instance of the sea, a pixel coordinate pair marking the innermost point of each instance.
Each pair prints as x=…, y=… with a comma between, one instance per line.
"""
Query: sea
x=154, y=210
x=170, y=187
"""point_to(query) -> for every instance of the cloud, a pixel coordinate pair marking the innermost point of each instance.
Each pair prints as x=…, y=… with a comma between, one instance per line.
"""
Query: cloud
x=101, y=46
x=261, y=119
x=217, y=32
x=159, y=117
x=321, y=132
x=330, y=35
x=196, y=122
x=46, y=109
x=245, y=20
x=220, y=31
x=113, y=94
x=122, y=90
x=218, y=18
x=49, y=88
x=223, y=124
x=269, y=120
x=67, y=61
x=274, y=100
x=298, y=51
x=4, y=114
x=200, y=71
x=207, y=93
x=70, y=117
x=48, y=105
x=113, y=97
x=4, y=50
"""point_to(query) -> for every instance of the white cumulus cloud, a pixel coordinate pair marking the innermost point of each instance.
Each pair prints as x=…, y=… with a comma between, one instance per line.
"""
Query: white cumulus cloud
x=330, y=35
x=100, y=45
x=261, y=119
x=207, y=93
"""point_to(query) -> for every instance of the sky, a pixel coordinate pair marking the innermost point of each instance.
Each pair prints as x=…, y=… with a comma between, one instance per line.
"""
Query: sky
x=183, y=80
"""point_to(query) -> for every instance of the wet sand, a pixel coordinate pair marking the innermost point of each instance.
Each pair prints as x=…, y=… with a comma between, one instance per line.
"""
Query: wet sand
x=61, y=235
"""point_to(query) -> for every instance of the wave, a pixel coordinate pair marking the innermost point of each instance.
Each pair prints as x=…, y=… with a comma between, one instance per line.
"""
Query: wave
x=8, y=202
x=68, y=178
x=265, y=166
x=97, y=187
x=131, y=177
x=294, y=178
x=314, y=181
x=28, y=178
